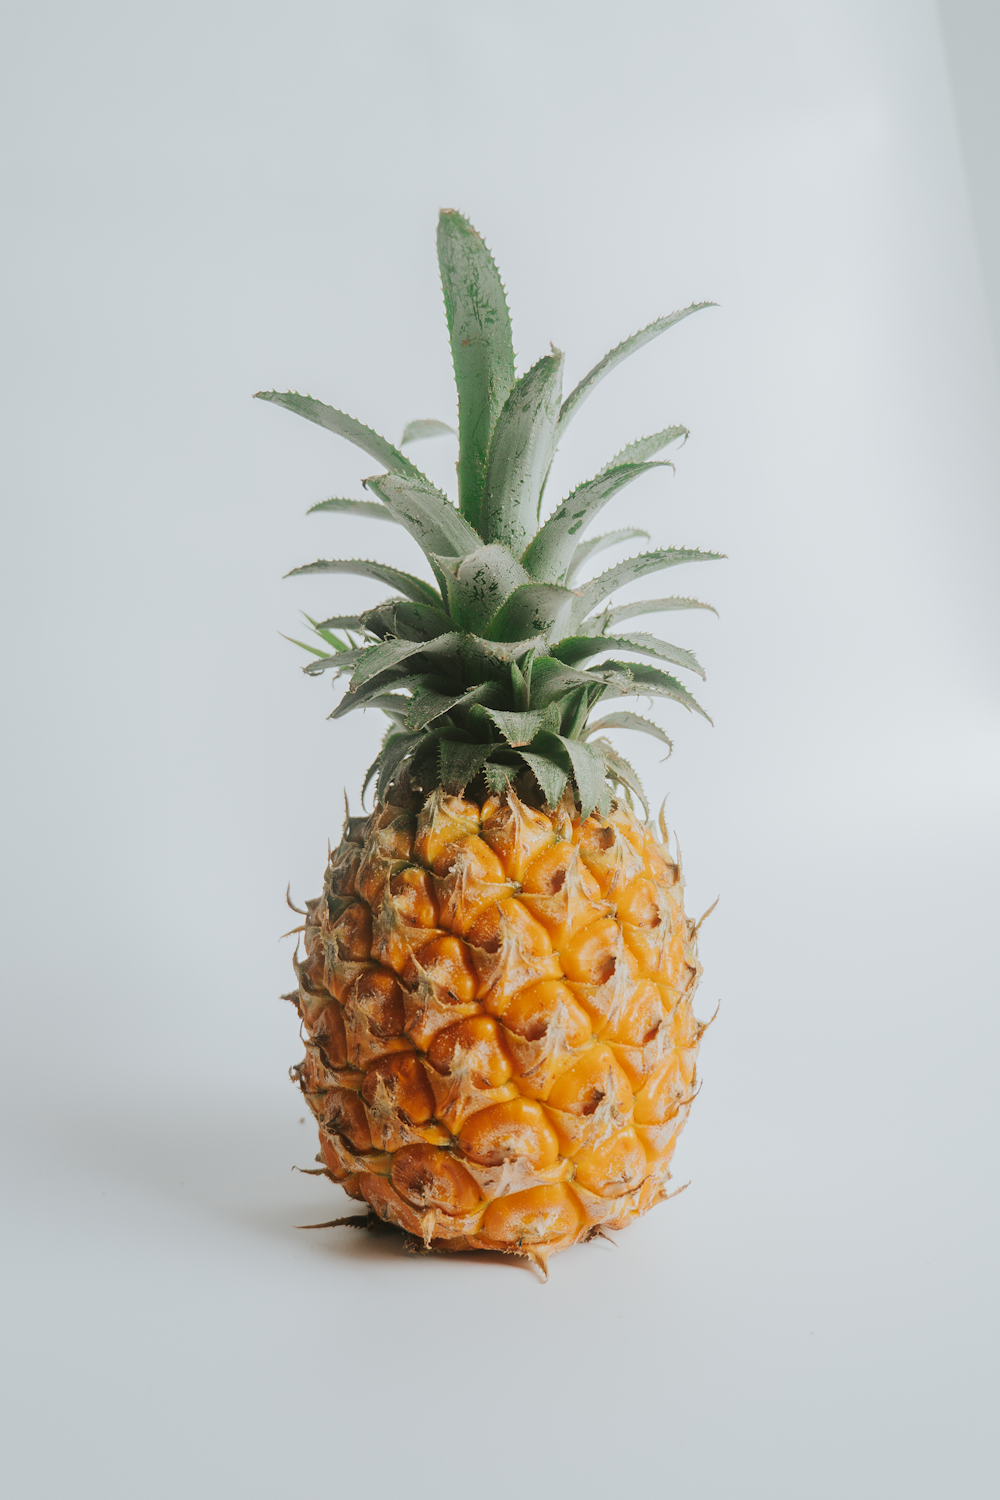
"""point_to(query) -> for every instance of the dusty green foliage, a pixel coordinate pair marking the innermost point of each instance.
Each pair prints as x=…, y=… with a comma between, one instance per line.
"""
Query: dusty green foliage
x=494, y=670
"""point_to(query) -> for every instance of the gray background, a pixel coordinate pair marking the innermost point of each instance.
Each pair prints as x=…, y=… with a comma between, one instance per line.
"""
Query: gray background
x=207, y=199
x=971, y=32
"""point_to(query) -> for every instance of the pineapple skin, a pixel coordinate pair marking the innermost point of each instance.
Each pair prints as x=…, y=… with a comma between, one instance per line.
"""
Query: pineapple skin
x=496, y=1002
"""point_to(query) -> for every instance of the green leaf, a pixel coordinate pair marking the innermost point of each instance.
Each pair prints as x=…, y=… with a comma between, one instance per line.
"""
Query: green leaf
x=338, y=622
x=580, y=648
x=371, y=509
x=342, y=658
x=624, y=719
x=405, y=619
x=534, y=608
x=311, y=649
x=374, y=660
x=478, y=658
x=621, y=612
x=573, y=710
x=551, y=552
x=458, y=763
x=380, y=449
x=456, y=651
x=413, y=588
x=551, y=680
x=588, y=773
x=630, y=570
x=427, y=427
x=595, y=544
x=644, y=448
x=520, y=728
x=324, y=634
x=481, y=349
x=551, y=777
x=519, y=686
x=498, y=776
x=396, y=705
x=428, y=703
x=620, y=770
x=615, y=356
x=585, y=764
x=647, y=681
x=520, y=453
x=427, y=515
x=378, y=687
x=396, y=751
x=479, y=583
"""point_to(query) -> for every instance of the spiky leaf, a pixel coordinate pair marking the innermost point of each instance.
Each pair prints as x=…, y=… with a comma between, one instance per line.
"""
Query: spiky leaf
x=621, y=770
x=520, y=728
x=459, y=762
x=585, y=765
x=615, y=356
x=552, y=680
x=397, y=750
x=520, y=453
x=479, y=583
x=370, y=509
x=625, y=719
x=406, y=619
x=620, y=612
x=413, y=588
x=395, y=705
x=498, y=776
x=633, y=568
x=595, y=544
x=534, y=608
x=552, y=550
x=338, y=622
x=650, y=682
x=311, y=649
x=479, y=658
x=550, y=775
x=481, y=348
x=427, y=515
x=588, y=774
x=644, y=448
x=388, y=655
x=380, y=449
x=388, y=682
x=426, y=427
x=576, y=649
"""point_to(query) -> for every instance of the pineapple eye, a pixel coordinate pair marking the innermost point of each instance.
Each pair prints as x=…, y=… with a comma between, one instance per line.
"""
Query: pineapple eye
x=345, y=1115
x=398, y=1085
x=377, y=995
x=428, y=1177
x=517, y=1129
x=596, y=1097
x=592, y=957
x=331, y=1035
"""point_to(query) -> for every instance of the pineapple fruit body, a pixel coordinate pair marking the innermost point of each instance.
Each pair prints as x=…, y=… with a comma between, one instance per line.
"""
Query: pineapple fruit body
x=497, y=1006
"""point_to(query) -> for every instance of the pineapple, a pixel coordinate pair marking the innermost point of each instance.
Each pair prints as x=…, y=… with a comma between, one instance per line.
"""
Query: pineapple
x=496, y=988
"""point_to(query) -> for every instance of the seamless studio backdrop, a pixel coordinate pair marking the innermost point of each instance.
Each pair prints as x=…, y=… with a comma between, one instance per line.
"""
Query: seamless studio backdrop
x=206, y=200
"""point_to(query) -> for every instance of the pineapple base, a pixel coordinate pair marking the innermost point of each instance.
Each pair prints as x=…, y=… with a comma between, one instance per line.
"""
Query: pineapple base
x=497, y=1008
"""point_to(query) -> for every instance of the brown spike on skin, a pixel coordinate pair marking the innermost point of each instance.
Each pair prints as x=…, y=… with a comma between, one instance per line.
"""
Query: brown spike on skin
x=500, y=1044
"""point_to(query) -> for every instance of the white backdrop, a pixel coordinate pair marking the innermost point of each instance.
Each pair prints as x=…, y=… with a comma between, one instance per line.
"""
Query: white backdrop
x=207, y=199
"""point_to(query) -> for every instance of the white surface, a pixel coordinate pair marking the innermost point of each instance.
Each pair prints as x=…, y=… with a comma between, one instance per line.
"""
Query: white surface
x=971, y=31
x=208, y=200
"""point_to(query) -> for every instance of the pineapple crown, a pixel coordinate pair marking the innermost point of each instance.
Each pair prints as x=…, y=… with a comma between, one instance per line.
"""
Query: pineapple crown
x=492, y=672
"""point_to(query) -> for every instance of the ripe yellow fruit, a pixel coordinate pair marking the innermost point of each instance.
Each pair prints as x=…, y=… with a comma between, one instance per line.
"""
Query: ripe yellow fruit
x=496, y=999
